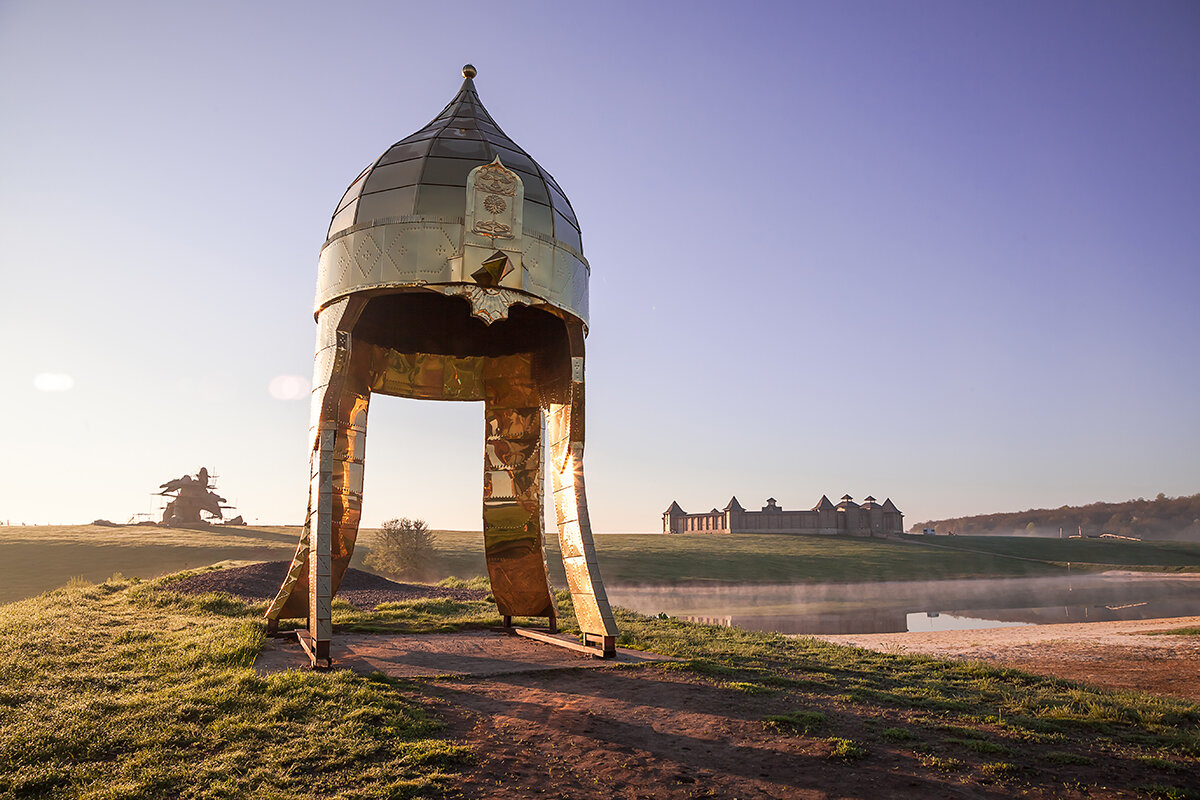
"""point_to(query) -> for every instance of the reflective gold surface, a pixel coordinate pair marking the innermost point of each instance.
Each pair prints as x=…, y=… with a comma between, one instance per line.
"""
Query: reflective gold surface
x=473, y=303
x=512, y=490
x=565, y=434
x=521, y=400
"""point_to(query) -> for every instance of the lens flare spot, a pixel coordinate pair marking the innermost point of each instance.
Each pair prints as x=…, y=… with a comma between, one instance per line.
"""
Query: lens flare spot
x=288, y=387
x=53, y=382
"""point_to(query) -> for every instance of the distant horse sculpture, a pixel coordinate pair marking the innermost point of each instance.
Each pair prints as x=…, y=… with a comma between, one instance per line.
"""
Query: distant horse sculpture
x=192, y=495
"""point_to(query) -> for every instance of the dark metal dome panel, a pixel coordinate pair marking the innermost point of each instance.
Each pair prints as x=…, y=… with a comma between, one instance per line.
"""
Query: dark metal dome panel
x=431, y=215
x=425, y=174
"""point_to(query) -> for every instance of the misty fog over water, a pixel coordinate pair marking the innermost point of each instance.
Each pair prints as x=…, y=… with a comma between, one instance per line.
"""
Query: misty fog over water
x=893, y=607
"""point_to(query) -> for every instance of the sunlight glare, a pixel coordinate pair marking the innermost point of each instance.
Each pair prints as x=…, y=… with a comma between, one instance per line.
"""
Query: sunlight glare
x=53, y=382
x=288, y=387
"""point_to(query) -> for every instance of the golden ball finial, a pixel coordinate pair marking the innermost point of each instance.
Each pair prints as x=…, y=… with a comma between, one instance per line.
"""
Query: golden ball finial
x=468, y=71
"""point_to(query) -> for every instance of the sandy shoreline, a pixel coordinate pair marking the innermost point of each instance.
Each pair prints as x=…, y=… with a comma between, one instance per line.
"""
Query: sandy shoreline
x=1117, y=655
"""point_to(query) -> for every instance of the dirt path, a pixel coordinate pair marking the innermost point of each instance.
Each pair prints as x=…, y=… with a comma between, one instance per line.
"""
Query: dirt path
x=643, y=733
x=1117, y=655
x=649, y=732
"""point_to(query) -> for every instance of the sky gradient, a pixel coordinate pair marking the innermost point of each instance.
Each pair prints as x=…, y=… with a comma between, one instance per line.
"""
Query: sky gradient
x=943, y=252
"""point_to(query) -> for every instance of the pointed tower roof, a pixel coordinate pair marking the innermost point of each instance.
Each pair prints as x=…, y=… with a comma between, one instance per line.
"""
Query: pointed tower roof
x=734, y=505
x=846, y=497
x=425, y=174
x=889, y=506
x=675, y=510
x=870, y=499
x=823, y=505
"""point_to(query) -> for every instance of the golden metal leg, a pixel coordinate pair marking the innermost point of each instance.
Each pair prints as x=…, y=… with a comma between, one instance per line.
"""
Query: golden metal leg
x=517, y=389
x=512, y=491
x=565, y=431
x=337, y=440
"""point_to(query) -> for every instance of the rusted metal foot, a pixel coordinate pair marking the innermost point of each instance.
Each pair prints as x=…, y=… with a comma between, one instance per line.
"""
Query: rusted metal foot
x=597, y=647
x=317, y=652
x=607, y=645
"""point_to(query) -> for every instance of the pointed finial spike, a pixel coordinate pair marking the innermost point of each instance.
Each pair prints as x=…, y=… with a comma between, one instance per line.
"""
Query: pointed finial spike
x=469, y=71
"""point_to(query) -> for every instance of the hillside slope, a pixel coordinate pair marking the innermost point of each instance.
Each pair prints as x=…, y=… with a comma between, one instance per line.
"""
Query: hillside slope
x=1161, y=518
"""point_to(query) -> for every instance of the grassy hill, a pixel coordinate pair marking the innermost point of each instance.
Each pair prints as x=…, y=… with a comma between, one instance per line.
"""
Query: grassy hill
x=753, y=558
x=36, y=559
x=1159, y=556
x=41, y=557
x=166, y=703
x=1161, y=518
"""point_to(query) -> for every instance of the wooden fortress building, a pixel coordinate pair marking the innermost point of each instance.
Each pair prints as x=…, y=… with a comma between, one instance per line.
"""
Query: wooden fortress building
x=847, y=518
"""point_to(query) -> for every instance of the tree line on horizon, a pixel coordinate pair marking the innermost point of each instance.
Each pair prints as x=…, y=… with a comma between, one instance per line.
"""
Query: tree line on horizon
x=1161, y=518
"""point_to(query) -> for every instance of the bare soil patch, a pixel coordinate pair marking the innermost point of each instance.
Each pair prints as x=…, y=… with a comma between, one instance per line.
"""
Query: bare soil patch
x=1115, y=655
x=646, y=733
x=363, y=590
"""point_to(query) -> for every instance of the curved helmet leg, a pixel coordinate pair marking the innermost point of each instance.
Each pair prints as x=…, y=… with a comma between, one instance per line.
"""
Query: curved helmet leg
x=337, y=438
x=512, y=491
x=565, y=430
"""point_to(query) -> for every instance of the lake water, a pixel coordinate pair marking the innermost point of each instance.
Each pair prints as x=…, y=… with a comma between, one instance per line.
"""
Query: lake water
x=919, y=606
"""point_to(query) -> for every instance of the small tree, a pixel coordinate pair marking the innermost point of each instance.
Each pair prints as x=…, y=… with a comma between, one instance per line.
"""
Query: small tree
x=403, y=549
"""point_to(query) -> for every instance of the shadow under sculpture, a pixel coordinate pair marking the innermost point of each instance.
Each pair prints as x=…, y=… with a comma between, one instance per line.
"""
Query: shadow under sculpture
x=446, y=277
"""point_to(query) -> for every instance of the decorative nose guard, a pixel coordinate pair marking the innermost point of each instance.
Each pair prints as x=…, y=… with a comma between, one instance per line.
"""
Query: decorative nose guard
x=429, y=292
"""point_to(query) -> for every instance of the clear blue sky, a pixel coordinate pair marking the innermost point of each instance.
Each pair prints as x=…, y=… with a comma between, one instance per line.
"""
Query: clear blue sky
x=944, y=252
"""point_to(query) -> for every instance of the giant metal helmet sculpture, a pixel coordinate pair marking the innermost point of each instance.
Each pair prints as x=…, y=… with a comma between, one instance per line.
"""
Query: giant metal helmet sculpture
x=453, y=270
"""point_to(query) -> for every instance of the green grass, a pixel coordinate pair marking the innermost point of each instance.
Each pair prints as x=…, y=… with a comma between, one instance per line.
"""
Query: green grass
x=1109, y=553
x=845, y=749
x=999, y=769
x=763, y=558
x=1164, y=792
x=980, y=745
x=436, y=615
x=119, y=690
x=897, y=734
x=43, y=557
x=801, y=721
x=1162, y=763
x=1190, y=631
x=972, y=700
x=753, y=558
x=124, y=689
x=941, y=763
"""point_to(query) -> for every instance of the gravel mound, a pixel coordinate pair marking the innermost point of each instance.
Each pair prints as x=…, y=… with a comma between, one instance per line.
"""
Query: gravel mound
x=364, y=591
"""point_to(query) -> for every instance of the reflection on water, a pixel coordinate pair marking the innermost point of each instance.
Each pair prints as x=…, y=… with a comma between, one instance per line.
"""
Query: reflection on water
x=937, y=621
x=919, y=606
